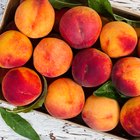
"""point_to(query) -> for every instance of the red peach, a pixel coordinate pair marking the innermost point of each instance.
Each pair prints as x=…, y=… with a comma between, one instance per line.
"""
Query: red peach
x=21, y=86
x=125, y=76
x=80, y=27
x=91, y=67
x=130, y=116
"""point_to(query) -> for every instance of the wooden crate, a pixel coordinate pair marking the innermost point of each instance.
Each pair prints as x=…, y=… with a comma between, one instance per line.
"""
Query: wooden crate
x=47, y=126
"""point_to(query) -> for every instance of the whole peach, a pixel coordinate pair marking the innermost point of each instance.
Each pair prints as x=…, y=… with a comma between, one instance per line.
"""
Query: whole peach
x=15, y=49
x=21, y=86
x=35, y=18
x=125, y=76
x=101, y=113
x=118, y=39
x=65, y=98
x=130, y=116
x=80, y=27
x=91, y=67
x=52, y=57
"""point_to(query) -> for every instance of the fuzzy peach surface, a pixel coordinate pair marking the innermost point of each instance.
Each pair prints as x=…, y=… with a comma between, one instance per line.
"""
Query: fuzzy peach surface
x=91, y=67
x=15, y=49
x=21, y=86
x=65, y=98
x=80, y=27
x=35, y=18
x=118, y=39
x=130, y=116
x=125, y=76
x=52, y=57
x=101, y=113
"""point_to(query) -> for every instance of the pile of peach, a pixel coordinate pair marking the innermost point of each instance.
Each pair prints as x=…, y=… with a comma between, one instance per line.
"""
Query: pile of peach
x=74, y=50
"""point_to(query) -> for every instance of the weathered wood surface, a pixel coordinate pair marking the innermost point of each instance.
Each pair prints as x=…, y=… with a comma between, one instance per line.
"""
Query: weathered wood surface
x=3, y=4
x=131, y=6
x=50, y=128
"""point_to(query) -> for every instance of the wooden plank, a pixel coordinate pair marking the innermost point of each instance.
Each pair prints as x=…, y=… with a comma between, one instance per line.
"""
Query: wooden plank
x=52, y=128
x=129, y=6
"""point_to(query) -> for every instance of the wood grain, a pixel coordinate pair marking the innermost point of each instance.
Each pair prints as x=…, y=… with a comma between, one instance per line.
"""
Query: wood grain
x=50, y=128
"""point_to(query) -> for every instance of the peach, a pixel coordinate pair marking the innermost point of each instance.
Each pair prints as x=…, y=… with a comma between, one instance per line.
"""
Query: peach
x=125, y=76
x=21, y=86
x=91, y=67
x=15, y=49
x=65, y=98
x=52, y=57
x=35, y=18
x=101, y=113
x=130, y=116
x=118, y=39
x=80, y=27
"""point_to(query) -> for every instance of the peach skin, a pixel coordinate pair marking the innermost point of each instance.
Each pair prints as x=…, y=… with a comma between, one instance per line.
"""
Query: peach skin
x=125, y=76
x=101, y=113
x=91, y=67
x=21, y=86
x=15, y=49
x=35, y=18
x=118, y=39
x=130, y=116
x=52, y=57
x=80, y=27
x=65, y=98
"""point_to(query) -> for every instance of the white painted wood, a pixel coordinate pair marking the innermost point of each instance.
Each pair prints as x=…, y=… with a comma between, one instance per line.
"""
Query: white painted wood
x=129, y=6
x=50, y=128
x=3, y=4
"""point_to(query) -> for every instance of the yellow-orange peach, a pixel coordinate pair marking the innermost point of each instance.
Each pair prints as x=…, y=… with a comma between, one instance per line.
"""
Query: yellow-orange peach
x=130, y=116
x=125, y=76
x=52, y=57
x=15, y=49
x=21, y=86
x=118, y=39
x=101, y=113
x=80, y=27
x=65, y=98
x=35, y=18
